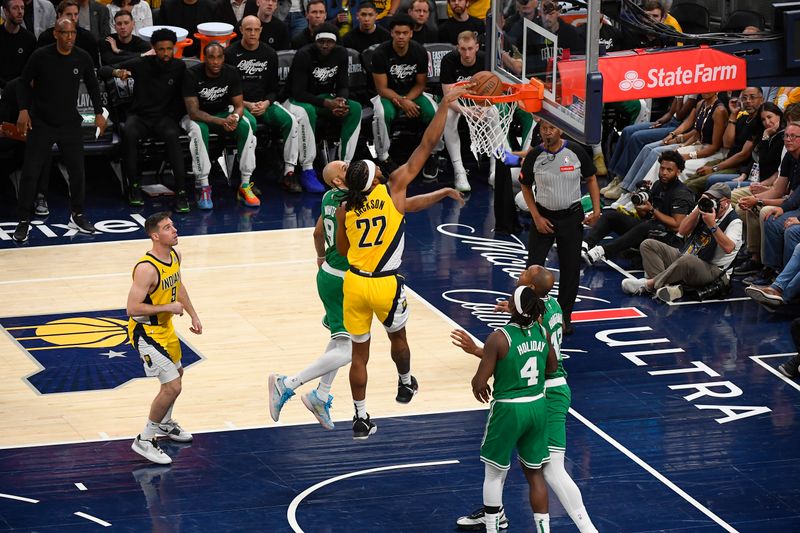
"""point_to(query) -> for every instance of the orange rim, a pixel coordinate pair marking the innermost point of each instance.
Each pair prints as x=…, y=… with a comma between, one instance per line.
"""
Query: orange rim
x=527, y=95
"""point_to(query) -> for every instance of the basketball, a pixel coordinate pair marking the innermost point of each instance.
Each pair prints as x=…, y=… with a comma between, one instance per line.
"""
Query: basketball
x=486, y=83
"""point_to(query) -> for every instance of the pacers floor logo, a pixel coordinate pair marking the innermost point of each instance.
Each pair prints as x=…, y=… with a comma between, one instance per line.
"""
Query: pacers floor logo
x=80, y=351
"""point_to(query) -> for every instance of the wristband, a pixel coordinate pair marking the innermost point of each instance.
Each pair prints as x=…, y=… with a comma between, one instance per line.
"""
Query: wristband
x=731, y=122
x=713, y=229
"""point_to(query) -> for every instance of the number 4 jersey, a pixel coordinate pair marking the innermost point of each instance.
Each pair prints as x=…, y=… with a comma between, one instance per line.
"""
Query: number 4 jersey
x=376, y=233
x=521, y=372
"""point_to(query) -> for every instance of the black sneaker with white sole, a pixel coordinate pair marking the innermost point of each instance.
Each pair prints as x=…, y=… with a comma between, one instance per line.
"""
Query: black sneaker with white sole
x=21, y=233
x=406, y=392
x=431, y=168
x=79, y=222
x=363, y=428
x=474, y=521
x=791, y=368
x=40, y=207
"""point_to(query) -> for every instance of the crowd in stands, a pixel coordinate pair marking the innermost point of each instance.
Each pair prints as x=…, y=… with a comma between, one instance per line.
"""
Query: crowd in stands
x=741, y=150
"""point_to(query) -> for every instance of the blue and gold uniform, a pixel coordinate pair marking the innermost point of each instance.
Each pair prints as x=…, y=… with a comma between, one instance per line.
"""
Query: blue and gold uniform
x=156, y=332
x=371, y=285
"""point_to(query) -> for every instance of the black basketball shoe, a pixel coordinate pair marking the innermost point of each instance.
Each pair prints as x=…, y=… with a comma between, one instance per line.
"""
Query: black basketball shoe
x=406, y=392
x=363, y=428
x=474, y=521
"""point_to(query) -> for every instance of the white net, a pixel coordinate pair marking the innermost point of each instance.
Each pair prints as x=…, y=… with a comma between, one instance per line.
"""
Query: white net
x=488, y=126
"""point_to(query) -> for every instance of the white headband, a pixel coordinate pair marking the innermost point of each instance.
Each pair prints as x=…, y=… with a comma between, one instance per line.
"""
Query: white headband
x=370, y=175
x=518, y=300
x=325, y=35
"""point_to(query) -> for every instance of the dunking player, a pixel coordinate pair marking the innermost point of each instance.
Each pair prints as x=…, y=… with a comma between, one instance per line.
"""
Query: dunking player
x=330, y=279
x=557, y=395
x=518, y=355
x=372, y=219
x=157, y=293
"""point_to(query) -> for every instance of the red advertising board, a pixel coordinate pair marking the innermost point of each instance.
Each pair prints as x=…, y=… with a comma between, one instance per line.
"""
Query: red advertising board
x=639, y=74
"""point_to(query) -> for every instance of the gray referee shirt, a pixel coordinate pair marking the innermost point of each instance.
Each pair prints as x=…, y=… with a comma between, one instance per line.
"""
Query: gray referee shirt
x=557, y=175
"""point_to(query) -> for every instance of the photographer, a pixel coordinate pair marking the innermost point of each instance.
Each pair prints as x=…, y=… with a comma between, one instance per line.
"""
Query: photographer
x=659, y=212
x=714, y=238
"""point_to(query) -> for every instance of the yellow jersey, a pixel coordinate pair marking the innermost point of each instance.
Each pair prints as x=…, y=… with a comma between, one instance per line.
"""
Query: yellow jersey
x=169, y=281
x=376, y=232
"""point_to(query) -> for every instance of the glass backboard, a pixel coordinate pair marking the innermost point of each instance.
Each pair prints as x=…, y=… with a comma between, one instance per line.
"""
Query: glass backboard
x=545, y=41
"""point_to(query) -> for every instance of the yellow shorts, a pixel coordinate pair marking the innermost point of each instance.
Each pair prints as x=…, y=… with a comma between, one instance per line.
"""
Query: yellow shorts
x=162, y=338
x=363, y=296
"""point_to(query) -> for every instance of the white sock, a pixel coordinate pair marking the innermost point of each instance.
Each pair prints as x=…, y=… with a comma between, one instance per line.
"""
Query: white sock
x=324, y=387
x=337, y=354
x=168, y=416
x=542, y=522
x=361, y=408
x=202, y=181
x=288, y=168
x=567, y=492
x=405, y=378
x=149, y=431
x=245, y=181
x=308, y=167
x=492, y=522
x=597, y=149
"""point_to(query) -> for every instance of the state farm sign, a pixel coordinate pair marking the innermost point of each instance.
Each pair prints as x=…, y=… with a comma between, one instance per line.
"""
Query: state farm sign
x=638, y=74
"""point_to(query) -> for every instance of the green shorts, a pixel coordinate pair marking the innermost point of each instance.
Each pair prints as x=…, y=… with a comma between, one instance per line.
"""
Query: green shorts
x=558, y=400
x=329, y=288
x=516, y=425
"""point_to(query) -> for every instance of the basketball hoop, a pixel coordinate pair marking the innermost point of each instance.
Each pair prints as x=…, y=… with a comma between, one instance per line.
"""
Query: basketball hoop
x=489, y=117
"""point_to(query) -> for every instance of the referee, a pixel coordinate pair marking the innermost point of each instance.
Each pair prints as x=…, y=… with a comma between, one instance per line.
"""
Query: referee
x=47, y=94
x=557, y=167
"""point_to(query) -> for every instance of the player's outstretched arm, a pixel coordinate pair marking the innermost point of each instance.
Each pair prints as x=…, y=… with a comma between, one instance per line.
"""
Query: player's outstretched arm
x=464, y=340
x=405, y=173
x=421, y=202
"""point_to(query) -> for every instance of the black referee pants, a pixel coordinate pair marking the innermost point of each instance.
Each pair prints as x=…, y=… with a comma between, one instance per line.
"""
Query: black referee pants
x=568, y=235
x=164, y=128
x=37, y=157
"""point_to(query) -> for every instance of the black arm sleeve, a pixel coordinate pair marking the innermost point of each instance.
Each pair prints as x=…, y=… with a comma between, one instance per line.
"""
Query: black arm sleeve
x=587, y=163
x=526, y=174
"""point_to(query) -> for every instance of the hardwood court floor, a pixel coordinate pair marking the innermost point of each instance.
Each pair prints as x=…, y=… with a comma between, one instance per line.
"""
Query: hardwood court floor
x=256, y=297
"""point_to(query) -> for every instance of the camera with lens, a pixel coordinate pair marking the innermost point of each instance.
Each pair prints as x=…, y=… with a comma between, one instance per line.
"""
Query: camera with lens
x=642, y=194
x=707, y=205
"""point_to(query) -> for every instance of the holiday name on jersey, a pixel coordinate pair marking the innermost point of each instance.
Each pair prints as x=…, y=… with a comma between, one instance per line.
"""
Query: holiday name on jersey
x=524, y=348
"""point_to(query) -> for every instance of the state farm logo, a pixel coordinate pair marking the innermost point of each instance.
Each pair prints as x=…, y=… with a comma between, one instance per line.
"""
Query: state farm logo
x=631, y=81
x=665, y=77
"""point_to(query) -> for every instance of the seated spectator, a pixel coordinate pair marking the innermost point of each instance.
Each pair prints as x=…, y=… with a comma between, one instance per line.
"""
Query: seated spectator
x=319, y=87
x=234, y=11
x=187, y=14
x=386, y=9
x=154, y=112
x=766, y=157
x=400, y=72
x=460, y=21
x=212, y=92
x=139, y=9
x=257, y=64
x=339, y=14
x=754, y=209
x=39, y=15
x=713, y=238
x=315, y=16
x=94, y=18
x=781, y=226
x=658, y=217
x=700, y=139
x=420, y=12
x=274, y=31
x=16, y=43
x=568, y=36
x=459, y=65
x=635, y=137
x=514, y=29
x=785, y=289
x=652, y=38
x=742, y=130
x=84, y=40
x=366, y=33
x=477, y=8
x=123, y=45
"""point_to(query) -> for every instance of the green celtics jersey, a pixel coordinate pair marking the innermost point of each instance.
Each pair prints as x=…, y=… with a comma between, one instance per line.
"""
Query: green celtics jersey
x=330, y=202
x=553, y=322
x=521, y=372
